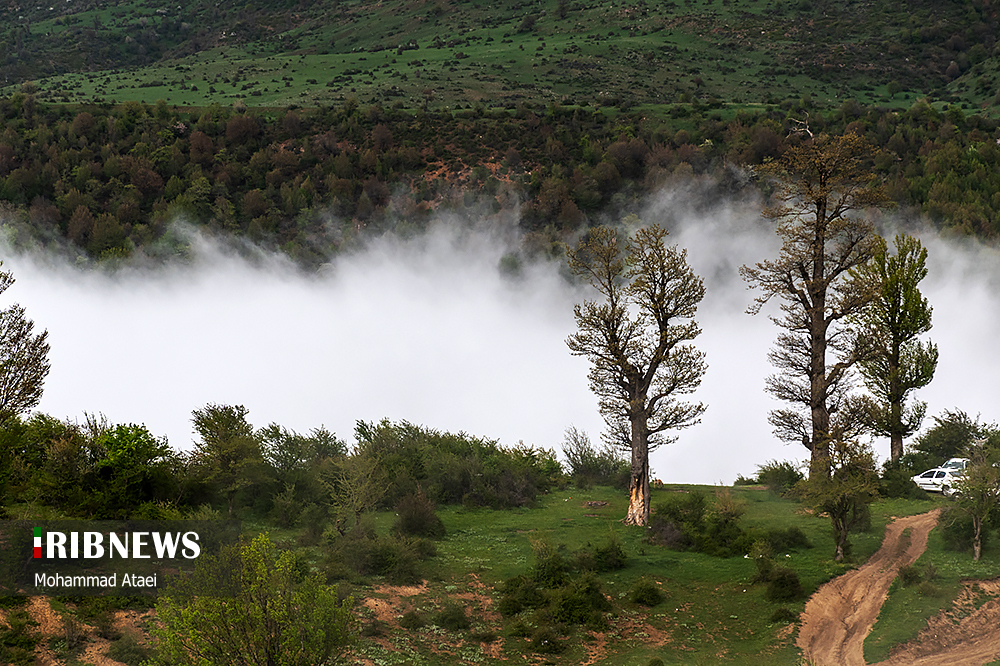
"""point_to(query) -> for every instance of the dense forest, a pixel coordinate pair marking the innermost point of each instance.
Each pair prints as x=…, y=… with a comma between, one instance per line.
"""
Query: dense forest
x=109, y=180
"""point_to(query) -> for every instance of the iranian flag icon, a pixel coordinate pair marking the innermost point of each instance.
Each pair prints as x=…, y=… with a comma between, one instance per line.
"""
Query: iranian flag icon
x=38, y=543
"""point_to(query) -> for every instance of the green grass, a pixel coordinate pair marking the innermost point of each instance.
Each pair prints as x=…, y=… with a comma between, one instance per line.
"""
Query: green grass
x=736, y=51
x=711, y=608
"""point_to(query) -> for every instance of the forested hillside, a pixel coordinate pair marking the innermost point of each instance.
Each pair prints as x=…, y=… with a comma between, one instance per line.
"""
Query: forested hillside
x=110, y=179
x=300, y=125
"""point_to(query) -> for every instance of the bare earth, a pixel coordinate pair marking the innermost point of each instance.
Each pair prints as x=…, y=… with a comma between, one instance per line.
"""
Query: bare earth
x=841, y=614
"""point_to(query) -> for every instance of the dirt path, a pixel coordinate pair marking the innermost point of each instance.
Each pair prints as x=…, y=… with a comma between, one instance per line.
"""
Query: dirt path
x=840, y=615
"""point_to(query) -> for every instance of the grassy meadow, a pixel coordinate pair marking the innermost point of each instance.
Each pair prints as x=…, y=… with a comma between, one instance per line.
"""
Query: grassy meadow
x=465, y=52
x=712, y=611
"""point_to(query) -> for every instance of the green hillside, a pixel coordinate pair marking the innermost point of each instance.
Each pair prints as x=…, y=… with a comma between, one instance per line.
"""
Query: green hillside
x=743, y=52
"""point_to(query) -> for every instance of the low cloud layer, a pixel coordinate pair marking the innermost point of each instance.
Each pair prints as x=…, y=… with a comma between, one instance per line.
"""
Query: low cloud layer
x=428, y=330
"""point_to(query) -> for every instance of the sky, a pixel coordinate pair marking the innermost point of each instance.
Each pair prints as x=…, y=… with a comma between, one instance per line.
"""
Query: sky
x=428, y=330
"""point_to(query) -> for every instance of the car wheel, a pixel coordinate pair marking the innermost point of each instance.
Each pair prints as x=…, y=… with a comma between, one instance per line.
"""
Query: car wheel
x=947, y=491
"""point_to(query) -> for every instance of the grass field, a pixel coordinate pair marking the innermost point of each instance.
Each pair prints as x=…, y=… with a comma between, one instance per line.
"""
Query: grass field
x=713, y=612
x=463, y=52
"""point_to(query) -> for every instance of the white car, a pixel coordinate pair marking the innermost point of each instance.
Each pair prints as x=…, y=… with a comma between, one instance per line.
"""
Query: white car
x=956, y=464
x=939, y=479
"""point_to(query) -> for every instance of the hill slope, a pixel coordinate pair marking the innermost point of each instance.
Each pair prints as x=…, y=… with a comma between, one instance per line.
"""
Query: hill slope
x=443, y=52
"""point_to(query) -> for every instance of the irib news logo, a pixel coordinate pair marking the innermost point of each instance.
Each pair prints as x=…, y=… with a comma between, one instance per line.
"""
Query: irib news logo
x=130, y=545
x=108, y=556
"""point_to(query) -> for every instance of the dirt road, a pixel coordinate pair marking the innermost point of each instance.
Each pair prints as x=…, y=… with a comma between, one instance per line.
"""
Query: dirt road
x=841, y=613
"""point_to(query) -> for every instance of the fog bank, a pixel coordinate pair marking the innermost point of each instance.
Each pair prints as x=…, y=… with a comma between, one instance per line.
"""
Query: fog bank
x=427, y=330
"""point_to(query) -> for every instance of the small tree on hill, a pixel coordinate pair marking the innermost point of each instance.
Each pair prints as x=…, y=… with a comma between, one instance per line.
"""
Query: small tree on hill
x=979, y=490
x=636, y=338
x=846, y=492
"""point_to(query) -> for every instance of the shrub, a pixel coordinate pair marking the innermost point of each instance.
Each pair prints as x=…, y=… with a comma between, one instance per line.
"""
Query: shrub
x=779, y=477
x=518, y=594
x=483, y=636
x=763, y=558
x=273, y=617
x=689, y=523
x=784, y=614
x=909, y=576
x=128, y=651
x=928, y=589
x=412, y=620
x=958, y=530
x=784, y=585
x=896, y=482
x=645, y=592
x=519, y=629
x=588, y=466
x=545, y=640
x=417, y=518
x=453, y=618
x=582, y=602
x=17, y=639
x=786, y=540
x=607, y=557
x=550, y=569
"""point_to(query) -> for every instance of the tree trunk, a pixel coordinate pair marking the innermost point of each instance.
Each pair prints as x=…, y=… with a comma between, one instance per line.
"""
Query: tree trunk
x=840, y=533
x=977, y=538
x=819, y=463
x=638, y=489
x=896, y=435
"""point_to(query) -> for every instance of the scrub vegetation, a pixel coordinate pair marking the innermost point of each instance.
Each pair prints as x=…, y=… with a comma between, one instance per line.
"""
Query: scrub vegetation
x=455, y=549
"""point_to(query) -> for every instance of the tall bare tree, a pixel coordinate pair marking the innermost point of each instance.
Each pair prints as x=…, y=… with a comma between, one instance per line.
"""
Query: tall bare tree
x=899, y=362
x=24, y=362
x=821, y=185
x=635, y=337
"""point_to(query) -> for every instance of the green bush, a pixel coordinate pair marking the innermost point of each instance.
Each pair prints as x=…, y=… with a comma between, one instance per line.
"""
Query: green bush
x=453, y=618
x=910, y=576
x=784, y=614
x=646, y=593
x=689, y=522
x=958, y=530
x=518, y=594
x=784, y=585
x=588, y=467
x=581, y=602
x=779, y=477
x=417, y=518
x=128, y=651
x=897, y=482
x=455, y=469
x=929, y=589
x=550, y=569
x=17, y=639
x=412, y=620
x=545, y=640
x=609, y=556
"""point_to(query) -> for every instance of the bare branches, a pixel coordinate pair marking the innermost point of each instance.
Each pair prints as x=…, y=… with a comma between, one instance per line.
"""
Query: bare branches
x=635, y=338
x=819, y=184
